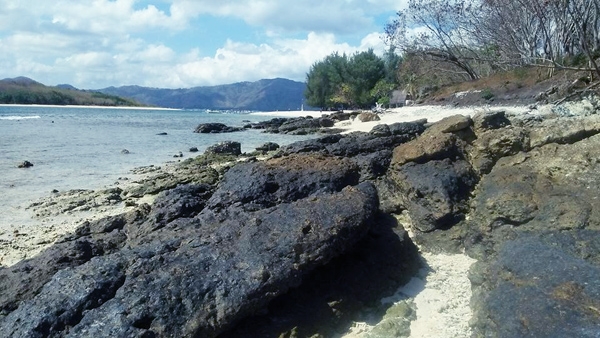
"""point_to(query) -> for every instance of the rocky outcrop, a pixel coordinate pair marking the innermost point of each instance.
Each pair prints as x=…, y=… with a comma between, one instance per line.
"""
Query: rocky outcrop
x=294, y=244
x=268, y=146
x=296, y=125
x=225, y=148
x=215, y=128
x=517, y=193
x=198, y=260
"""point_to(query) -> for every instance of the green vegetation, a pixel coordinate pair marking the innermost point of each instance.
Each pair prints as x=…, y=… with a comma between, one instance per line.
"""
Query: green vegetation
x=487, y=94
x=26, y=91
x=357, y=81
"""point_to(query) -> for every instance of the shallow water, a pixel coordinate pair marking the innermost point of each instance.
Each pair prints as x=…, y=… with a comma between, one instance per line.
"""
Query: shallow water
x=80, y=148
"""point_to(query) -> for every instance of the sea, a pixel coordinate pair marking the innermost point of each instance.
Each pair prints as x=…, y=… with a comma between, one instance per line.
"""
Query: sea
x=83, y=147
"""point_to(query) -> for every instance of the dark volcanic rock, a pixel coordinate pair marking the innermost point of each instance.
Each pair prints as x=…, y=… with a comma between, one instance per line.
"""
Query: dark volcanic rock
x=226, y=147
x=490, y=120
x=25, y=164
x=263, y=184
x=269, y=146
x=294, y=126
x=343, y=116
x=196, y=279
x=325, y=303
x=434, y=193
x=539, y=289
x=206, y=128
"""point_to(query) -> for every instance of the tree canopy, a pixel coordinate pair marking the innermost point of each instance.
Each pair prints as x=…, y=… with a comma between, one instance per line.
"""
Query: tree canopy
x=356, y=81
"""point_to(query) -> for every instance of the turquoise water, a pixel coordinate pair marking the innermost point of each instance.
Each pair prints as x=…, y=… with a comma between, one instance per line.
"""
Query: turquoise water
x=80, y=148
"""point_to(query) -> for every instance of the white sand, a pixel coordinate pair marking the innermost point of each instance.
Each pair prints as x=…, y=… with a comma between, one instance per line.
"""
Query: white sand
x=413, y=113
x=290, y=113
x=442, y=297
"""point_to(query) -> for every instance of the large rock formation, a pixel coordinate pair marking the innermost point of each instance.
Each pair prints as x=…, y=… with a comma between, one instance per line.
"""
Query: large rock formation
x=294, y=244
x=196, y=261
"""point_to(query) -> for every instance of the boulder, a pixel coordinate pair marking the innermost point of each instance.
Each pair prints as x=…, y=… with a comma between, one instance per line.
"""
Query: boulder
x=254, y=186
x=428, y=147
x=343, y=116
x=326, y=122
x=25, y=164
x=564, y=130
x=534, y=227
x=493, y=144
x=183, y=284
x=400, y=128
x=434, y=193
x=294, y=126
x=268, y=146
x=368, y=117
x=193, y=150
x=490, y=120
x=226, y=147
x=206, y=128
x=450, y=124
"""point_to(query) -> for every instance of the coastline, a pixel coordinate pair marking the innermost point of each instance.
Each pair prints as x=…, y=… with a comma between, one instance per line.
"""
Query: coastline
x=95, y=107
x=439, y=294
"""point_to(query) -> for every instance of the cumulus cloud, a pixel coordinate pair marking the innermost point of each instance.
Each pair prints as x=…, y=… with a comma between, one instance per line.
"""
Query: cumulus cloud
x=98, y=43
x=238, y=61
x=335, y=16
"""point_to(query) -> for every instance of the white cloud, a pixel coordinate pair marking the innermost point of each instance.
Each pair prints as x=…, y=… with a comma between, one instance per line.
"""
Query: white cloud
x=339, y=16
x=104, y=17
x=98, y=43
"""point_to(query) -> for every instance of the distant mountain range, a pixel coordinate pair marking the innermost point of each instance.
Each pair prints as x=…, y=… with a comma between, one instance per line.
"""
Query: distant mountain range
x=265, y=95
x=23, y=90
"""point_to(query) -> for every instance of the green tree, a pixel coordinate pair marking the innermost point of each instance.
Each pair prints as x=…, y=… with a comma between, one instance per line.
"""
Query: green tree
x=325, y=79
x=342, y=81
x=365, y=70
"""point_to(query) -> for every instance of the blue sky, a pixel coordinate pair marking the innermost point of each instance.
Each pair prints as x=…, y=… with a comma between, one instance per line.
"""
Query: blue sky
x=94, y=44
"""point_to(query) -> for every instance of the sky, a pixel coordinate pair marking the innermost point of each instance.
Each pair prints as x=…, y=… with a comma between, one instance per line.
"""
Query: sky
x=93, y=44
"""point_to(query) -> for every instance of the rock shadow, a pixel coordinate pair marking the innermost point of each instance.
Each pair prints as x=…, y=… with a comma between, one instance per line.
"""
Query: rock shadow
x=338, y=293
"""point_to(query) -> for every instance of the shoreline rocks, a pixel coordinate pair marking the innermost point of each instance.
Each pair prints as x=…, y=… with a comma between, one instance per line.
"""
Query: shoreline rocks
x=240, y=248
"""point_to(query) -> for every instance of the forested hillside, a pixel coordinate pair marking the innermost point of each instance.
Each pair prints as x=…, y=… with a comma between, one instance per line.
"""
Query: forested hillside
x=22, y=90
x=267, y=95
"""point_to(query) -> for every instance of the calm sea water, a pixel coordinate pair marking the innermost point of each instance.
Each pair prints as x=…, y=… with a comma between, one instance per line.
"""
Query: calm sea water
x=80, y=148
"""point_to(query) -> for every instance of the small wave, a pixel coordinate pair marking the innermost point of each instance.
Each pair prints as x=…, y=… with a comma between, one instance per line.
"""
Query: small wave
x=16, y=117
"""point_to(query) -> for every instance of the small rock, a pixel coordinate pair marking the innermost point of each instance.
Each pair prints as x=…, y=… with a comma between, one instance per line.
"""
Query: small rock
x=450, y=124
x=193, y=150
x=368, y=117
x=25, y=164
x=162, y=134
x=180, y=154
x=124, y=151
x=269, y=146
x=227, y=147
x=208, y=128
x=490, y=120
